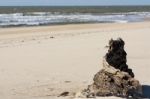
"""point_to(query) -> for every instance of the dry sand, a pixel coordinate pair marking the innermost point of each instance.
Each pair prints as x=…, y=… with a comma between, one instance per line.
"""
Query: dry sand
x=42, y=62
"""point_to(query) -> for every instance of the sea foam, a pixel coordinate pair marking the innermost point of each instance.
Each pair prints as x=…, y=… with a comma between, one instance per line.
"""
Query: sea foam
x=45, y=18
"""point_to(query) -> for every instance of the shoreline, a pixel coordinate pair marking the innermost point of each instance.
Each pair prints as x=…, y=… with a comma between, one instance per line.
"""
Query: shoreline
x=69, y=27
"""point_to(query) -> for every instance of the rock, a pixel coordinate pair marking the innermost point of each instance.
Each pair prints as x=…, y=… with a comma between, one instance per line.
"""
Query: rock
x=52, y=37
x=66, y=93
x=117, y=83
x=116, y=56
x=81, y=94
x=115, y=78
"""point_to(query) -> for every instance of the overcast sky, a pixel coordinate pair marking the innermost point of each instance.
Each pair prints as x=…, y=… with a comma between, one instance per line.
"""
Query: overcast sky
x=72, y=2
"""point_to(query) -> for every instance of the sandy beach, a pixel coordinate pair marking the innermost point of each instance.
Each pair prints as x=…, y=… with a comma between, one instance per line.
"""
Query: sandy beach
x=44, y=61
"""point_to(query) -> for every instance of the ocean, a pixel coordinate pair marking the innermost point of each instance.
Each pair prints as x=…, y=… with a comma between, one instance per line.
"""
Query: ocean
x=12, y=16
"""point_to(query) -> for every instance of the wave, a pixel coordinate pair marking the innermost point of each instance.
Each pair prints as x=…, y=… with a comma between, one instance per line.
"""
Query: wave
x=45, y=18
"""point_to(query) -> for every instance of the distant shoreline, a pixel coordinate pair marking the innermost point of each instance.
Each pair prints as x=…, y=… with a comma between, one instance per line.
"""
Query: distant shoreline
x=71, y=24
x=67, y=27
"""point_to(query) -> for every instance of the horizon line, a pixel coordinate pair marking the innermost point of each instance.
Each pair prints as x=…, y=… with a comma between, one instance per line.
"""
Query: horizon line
x=68, y=5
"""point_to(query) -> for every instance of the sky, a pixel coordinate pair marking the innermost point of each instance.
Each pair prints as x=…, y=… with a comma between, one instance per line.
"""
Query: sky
x=71, y=2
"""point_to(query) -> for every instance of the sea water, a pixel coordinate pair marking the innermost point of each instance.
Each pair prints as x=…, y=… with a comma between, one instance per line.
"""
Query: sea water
x=53, y=15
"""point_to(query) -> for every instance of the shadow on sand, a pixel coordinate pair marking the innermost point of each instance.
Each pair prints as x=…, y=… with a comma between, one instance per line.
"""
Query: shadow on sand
x=146, y=91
